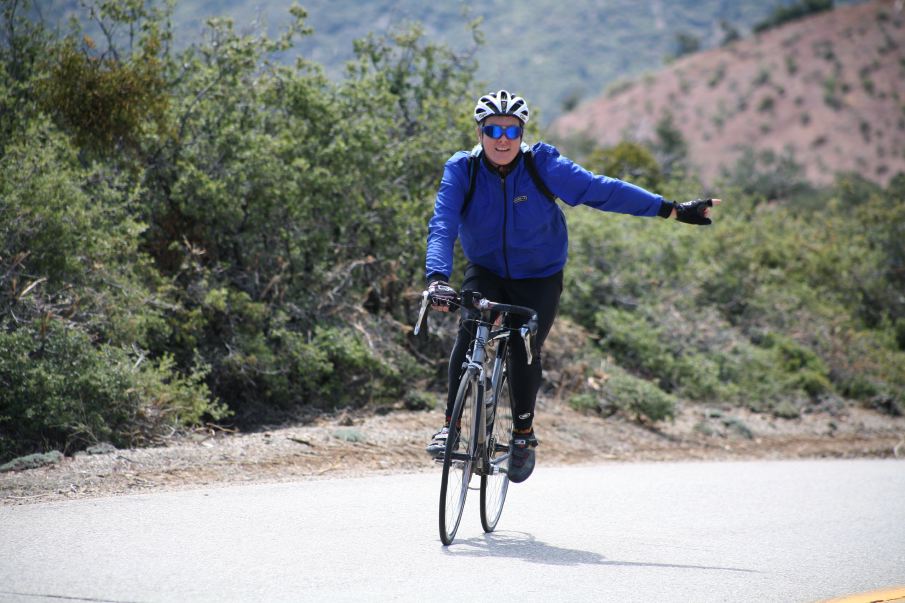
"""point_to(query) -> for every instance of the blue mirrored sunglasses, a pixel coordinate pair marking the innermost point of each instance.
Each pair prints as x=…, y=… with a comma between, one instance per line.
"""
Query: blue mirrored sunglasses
x=511, y=132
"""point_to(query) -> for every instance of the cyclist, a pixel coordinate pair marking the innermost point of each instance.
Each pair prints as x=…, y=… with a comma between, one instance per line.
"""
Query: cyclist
x=514, y=238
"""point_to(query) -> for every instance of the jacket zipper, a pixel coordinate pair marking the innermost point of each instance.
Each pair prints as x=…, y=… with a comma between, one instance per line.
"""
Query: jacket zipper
x=505, y=219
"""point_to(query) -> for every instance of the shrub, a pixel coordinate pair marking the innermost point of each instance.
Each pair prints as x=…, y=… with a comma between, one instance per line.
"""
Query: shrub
x=767, y=175
x=717, y=76
x=352, y=436
x=787, y=409
x=830, y=93
x=584, y=402
x=639, y=398
x=791, y=65
x=805, y=369
x=627, y=161
x=798, y=10
x=739, y=427
x=650, y=349
x=76, y=293
x=104, y=101
x=783, y=304
x=766, y=104
x=670, y=147
x=686, y=43
x=330, y=368
x=419, y=400
x=61, y=391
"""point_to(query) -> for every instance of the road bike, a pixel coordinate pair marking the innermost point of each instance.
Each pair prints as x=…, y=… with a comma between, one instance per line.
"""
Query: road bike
x=481, y=423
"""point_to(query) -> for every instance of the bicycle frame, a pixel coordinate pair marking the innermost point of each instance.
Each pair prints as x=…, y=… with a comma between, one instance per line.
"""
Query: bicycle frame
x=477, y=366
x=478, y=455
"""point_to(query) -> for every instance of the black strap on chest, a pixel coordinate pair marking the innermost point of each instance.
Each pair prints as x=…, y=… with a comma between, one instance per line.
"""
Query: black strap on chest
x=527, y=157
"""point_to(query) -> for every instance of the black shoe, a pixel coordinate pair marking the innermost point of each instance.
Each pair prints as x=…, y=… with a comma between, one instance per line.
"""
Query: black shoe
x=437, y=446
x=521, y=456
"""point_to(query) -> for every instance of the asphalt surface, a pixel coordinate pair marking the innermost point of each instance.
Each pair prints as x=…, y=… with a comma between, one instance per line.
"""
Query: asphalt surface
x=740, y=531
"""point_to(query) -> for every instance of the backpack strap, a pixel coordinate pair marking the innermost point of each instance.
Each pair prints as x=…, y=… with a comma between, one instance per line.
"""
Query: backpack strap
x=538, y=182
x=473, y=164
x=473, y=158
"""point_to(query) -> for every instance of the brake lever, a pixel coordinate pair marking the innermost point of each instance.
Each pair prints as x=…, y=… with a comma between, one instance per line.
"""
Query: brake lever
x=528, y=331
x=425, y=301
x=526, y=337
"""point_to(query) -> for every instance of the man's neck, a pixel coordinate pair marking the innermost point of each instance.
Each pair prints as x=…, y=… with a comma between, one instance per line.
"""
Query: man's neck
x=502, y=170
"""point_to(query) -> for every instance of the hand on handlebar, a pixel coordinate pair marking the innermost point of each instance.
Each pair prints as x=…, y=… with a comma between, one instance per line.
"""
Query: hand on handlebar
x=441, y=295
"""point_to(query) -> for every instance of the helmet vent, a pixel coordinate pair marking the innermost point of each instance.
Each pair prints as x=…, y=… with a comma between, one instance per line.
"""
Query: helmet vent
x=501, y=103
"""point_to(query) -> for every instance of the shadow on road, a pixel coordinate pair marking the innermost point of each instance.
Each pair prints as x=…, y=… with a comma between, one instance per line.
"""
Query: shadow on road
x=521, y=545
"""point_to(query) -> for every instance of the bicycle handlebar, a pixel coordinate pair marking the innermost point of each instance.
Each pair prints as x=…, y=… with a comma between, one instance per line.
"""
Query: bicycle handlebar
x=474, y=300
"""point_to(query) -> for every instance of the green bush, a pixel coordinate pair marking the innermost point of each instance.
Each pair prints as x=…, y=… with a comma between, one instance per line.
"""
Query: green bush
x=338, y=369
x=768, y=176
x=627, y=161
x=584, y=402
x=104, y=101
x=62, y=392
x=76, y=292
x=787, y=409
x=652, y=351
x=639, y=398
x=777, y=306
x=806, y=370
x=798, y=10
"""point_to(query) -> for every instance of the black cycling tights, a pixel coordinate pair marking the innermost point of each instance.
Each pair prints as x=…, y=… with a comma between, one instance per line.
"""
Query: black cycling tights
x=541, y=294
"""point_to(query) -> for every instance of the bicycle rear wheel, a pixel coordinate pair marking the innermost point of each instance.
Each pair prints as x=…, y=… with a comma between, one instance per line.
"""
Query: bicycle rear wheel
x=495, y=482
x=458, y=460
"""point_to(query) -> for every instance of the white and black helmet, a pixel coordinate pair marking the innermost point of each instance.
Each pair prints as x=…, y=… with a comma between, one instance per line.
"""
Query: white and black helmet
x=501, y=103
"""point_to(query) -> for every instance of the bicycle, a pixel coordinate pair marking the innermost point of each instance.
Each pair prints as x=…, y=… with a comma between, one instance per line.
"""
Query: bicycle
x=480, y=426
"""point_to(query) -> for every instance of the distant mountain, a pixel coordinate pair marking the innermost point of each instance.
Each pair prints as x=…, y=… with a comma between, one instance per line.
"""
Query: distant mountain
x=552, y=52
x=830, y=88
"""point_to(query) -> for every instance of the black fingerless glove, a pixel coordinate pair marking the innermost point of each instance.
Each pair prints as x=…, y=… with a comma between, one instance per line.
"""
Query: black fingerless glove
x=690, y=212
x=441, y=294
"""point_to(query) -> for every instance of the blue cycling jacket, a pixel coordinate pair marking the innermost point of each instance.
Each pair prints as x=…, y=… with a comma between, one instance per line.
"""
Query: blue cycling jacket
x=509, y=226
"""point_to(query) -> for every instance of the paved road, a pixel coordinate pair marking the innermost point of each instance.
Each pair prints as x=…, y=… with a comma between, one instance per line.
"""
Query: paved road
x=741, y=531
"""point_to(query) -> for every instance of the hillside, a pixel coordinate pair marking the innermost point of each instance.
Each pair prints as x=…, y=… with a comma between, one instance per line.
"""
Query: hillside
x=552, y=53
x=831, y=88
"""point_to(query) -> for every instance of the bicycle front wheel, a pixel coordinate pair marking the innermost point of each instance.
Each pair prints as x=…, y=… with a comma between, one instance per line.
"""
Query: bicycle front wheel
x=458, y=460
x=495, y=481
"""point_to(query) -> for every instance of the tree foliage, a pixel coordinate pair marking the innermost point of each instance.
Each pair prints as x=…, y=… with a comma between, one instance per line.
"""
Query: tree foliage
x=797, y=10
x=629, y=161
x=207, y=231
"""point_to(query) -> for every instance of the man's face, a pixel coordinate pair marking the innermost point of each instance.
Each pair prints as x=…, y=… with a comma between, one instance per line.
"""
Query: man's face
x=500, y=151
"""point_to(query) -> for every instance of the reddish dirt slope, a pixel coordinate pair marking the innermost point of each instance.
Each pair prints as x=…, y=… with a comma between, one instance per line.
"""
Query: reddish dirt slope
x=830, y=87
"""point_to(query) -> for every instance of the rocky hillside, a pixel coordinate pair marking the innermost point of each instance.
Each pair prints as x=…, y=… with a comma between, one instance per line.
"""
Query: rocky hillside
x=831, y=88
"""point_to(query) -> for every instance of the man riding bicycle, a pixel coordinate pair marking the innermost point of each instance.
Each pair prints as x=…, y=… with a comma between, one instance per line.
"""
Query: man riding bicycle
x=514, y=237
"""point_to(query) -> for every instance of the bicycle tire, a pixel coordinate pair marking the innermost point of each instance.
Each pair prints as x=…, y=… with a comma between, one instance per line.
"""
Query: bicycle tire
x=458, y=459
x=495, y=482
